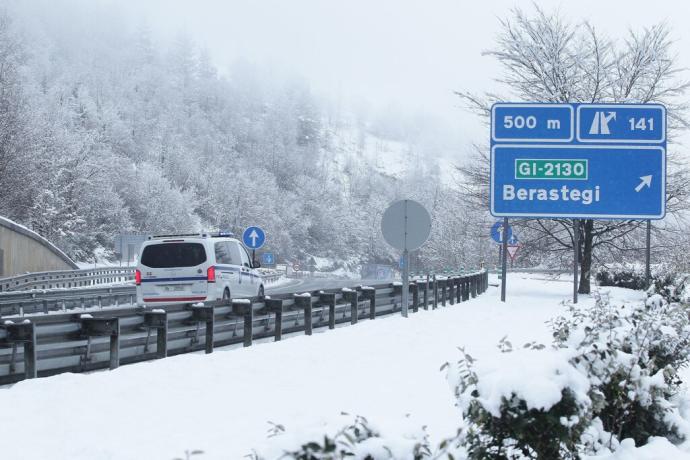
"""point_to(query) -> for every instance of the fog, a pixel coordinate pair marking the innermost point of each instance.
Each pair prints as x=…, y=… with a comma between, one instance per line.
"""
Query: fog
x=412, y=54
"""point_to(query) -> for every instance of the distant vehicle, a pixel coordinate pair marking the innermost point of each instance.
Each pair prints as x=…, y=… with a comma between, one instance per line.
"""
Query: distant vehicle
x=195, y=268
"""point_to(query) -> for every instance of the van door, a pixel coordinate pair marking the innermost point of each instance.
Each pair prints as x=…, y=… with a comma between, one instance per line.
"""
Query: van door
x=228, y=268
x=245, y=271
x=253, y=273
x=174, y=271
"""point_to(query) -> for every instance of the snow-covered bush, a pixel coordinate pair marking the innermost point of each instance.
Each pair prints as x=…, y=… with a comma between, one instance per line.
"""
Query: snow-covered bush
x=631, y=355
x=531, y=403
x=632, y=276
x=355, y=439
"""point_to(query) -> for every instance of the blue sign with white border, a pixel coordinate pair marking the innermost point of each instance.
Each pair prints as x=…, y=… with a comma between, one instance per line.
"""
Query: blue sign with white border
x=609, y=163
x=267, y=258
x=253, y=237
x=497, y=232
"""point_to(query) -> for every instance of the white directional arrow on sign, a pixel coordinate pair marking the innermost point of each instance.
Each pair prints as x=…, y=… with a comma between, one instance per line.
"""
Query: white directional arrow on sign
x=253, y=235
x=646, y=181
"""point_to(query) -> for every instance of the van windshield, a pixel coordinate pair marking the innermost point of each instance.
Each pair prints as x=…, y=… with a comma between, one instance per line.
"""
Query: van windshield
x=170, y=255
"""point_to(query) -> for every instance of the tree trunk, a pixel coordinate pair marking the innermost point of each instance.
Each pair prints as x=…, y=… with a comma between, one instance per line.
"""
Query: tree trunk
x=586, y=239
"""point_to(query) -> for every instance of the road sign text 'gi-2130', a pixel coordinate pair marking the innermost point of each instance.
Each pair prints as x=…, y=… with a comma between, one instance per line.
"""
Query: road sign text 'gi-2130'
x=601, y=161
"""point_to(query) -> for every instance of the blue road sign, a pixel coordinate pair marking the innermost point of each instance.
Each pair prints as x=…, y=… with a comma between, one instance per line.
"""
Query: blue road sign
x=497, y=232
x=253, y=237
x=532, y=122
x=267, y=258
x=629, y=124
x=611, y=164
x=513, y=240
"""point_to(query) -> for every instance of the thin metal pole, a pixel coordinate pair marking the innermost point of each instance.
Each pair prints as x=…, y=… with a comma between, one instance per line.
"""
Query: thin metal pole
x=405, y=297
x=648, y=255
x=405, y=283
x=504, y=261
x=576, y=253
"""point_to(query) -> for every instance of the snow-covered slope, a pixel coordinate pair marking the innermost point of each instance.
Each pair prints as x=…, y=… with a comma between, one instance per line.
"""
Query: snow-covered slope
x=222, y=403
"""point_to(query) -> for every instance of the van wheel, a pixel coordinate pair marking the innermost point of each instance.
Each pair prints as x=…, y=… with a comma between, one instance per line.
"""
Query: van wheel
x=226, y=295
x=261, y=293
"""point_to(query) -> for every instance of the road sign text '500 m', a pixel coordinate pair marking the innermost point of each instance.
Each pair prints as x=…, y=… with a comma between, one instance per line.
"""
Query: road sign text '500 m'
x=604, y=161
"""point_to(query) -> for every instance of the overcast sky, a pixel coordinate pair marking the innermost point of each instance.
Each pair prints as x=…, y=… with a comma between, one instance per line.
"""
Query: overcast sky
x=413, y=53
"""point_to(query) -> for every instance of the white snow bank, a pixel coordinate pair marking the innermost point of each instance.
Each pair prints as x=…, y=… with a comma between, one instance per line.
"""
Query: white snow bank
x=656, y=449
x=536, y=376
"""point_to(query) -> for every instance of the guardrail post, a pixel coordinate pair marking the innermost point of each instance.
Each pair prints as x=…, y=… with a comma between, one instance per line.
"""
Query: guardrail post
x=103, y=327
x=426, y=293
x=443, y=283
x=415, y=296
x=205, y=314
x=451, y=291
x=369, y=293
x=329, y=299
x=24, y=333
x=435, y=304
x=242, y=307
x=397, y=291
x=352, y=296
x=473, y=286
x=304, y=301
x=158, y=320
x=276, y=306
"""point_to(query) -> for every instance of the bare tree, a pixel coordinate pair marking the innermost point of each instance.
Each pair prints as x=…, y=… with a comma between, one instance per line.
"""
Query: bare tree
x=548, y=59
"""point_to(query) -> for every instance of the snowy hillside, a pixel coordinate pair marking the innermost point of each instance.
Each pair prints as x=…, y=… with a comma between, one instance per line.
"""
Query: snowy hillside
x=386, y=370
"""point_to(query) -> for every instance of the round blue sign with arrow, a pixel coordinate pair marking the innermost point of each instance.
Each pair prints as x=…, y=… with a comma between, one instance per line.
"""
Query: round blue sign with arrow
x=253, y=237
x=497, y=232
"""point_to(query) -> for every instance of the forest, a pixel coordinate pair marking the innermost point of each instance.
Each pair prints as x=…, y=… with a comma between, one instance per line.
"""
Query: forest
x=108, y=128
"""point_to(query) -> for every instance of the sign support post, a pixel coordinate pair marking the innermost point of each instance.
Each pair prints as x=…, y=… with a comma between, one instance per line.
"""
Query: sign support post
x=648, y=255
x=576, y=255
x=405, y=300
x=504, y=259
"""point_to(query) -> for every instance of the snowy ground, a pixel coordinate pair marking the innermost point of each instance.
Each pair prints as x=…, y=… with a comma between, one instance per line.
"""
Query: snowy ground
x=222, y=403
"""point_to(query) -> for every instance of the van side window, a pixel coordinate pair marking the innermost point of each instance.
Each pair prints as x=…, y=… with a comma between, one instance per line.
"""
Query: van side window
x=245, y=257
x=235, y=253
x=222, y=253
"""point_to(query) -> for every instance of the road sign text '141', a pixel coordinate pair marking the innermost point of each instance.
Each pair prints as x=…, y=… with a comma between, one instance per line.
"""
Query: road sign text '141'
x=603, y=161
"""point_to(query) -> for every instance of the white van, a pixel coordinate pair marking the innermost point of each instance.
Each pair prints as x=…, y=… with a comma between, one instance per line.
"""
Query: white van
x=195, y=268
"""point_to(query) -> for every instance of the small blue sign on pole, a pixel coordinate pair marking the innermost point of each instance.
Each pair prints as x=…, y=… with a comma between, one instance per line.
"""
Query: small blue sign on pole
x=497, y=232
x=592, y=161
x=254, y=237
x=267, y=258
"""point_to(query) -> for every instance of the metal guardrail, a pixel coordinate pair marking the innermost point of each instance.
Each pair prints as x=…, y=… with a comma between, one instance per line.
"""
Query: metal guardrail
x=67, y=279
x=45, y=301
x=45, y=345
x=547, y=271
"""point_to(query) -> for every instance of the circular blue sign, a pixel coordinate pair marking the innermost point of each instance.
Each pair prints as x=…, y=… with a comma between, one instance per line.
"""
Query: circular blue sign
x=253, y=237
x=497, y=232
